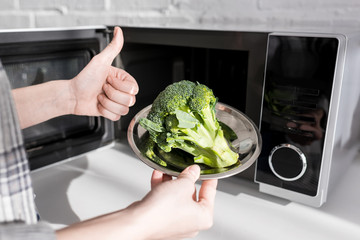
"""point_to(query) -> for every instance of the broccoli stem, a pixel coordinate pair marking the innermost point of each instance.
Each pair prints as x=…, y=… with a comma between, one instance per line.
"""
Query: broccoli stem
x=214, y=152
x=208, y=120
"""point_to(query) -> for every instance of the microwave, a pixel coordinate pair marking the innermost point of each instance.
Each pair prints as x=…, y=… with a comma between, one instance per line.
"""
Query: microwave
x=299, y=88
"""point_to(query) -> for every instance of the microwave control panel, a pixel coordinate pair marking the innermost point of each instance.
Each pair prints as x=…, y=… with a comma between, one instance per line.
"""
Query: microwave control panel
x=297, y=92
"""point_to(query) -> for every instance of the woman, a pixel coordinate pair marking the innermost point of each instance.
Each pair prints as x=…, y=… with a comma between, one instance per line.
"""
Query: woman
x=171, y=210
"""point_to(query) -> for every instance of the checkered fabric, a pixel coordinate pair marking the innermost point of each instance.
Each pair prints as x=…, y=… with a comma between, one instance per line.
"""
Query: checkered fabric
x=16, y=194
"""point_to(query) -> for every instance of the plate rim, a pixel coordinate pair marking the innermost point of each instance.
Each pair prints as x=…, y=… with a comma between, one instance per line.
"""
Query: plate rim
x=220, y=175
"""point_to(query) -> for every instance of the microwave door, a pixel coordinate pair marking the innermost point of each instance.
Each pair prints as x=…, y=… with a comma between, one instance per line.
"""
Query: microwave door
x=37, y=56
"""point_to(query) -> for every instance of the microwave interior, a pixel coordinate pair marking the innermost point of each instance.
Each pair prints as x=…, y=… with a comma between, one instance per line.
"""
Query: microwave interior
x=37, y=62
x=156, y=66
x=230, y=63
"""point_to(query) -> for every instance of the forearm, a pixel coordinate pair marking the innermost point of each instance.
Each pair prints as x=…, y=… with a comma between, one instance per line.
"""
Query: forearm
x=119, y=225
x=38, y=103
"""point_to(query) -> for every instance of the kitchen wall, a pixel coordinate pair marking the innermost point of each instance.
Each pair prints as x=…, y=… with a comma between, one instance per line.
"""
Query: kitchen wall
x=266, y=13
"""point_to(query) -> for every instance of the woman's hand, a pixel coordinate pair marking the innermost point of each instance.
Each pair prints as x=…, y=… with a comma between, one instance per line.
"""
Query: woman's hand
x=101, y=89
x=173, y=210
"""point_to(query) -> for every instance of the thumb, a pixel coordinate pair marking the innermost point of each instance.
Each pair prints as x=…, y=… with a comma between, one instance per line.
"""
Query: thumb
x=113, y=48
x=192, y=173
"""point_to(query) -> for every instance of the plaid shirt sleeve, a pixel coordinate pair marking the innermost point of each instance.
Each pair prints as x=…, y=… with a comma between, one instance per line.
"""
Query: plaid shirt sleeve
x=17, y=207
x=18, y=231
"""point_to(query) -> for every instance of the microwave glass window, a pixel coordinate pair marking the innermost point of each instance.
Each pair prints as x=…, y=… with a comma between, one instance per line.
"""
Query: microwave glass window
x=29, y=70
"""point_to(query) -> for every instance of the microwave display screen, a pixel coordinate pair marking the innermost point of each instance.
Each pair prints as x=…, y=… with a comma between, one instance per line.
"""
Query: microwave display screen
x=298, y=84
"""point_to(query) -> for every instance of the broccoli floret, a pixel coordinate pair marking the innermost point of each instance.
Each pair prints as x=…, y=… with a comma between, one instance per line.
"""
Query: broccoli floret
x=183, y=117
x=175, y=96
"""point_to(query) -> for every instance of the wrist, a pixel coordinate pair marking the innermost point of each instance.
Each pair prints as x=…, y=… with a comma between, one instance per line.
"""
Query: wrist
x=137, y=223
x=68, y=97
x=63, y=97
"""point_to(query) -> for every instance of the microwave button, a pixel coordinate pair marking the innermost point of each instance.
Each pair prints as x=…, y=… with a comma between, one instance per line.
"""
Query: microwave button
x=287, y=162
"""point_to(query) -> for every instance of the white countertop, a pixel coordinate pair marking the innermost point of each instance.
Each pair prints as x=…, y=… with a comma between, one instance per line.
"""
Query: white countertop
x=112, y=178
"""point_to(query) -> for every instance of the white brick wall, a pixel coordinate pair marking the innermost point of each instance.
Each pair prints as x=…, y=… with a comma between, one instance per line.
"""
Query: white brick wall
x=272, y=13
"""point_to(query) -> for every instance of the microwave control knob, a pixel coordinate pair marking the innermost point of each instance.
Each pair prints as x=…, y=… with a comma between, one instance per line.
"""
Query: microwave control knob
x=287, y=162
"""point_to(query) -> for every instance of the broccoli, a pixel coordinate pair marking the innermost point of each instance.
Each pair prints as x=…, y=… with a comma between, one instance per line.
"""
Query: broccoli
x=183, y=117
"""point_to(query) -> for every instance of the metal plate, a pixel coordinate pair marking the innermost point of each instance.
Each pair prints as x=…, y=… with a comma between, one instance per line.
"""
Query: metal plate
x=248, y=144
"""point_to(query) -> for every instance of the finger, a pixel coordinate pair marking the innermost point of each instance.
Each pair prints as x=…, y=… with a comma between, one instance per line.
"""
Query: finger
x=191, y=173
x=316, y=131
x=123, y=81
x=189, y=235
x=167, y=178
x=308, y=128
x=291, y=125
x=111, y=106
x=156, y=178
x=194, y=196
x=117, y=96
x=113, y=48
x=107, y=114
x=207, y=192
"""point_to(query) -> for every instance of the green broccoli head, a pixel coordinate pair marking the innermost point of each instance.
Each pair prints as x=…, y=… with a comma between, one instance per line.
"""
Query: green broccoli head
x=175, y=96
x=183, y=117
